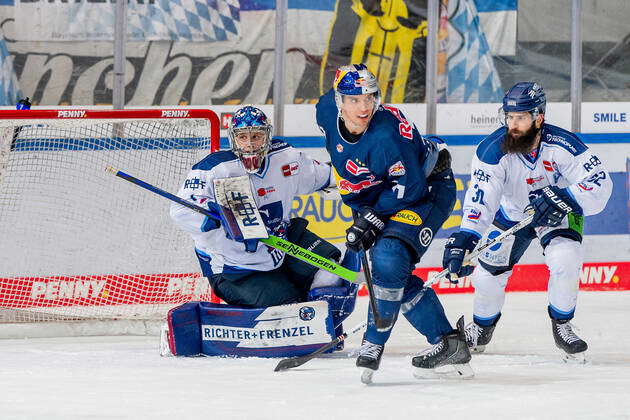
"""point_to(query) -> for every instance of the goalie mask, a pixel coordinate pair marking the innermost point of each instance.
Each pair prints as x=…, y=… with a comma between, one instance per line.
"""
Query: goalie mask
x=250, y=137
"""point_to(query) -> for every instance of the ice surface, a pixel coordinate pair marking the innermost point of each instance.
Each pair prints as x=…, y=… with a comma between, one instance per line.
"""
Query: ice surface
x=521, y=375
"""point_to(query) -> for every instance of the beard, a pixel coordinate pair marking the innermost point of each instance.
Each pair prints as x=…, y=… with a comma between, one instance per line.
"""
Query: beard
x=520, y=142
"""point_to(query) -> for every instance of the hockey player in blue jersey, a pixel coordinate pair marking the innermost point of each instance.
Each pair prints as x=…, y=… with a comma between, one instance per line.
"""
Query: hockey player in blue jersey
x=401, y=188
x=251, y=274
x=528, y=164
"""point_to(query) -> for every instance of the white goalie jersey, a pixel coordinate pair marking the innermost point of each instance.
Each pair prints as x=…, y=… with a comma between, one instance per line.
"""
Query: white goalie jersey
x=286, y=173
x=502, y=182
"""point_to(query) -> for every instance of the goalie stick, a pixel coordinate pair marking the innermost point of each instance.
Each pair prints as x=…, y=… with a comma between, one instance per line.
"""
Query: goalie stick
x=290, y=363
x=273, y=241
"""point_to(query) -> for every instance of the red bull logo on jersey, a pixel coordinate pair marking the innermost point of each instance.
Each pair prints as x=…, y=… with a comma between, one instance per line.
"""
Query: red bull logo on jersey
x=397, y=169
x=346, y=186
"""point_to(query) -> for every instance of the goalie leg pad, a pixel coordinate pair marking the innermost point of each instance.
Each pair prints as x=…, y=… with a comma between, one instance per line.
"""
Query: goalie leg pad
x=184, y=335
x=212, y=329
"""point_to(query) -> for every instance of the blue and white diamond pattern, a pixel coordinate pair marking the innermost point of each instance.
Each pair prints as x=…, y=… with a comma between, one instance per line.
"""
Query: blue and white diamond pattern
x=9, y=86
x=472, y=76
x=176, y=20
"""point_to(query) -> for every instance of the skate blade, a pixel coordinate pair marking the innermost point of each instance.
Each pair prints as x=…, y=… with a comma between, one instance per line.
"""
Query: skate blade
x=459, y=371
x=574, y=359
x=366, y=376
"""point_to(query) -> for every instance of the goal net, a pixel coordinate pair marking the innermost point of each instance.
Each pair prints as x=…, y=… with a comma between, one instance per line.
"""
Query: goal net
x=77, y=243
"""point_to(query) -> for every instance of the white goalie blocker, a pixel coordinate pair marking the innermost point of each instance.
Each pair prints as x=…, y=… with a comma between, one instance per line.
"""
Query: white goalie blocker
x=211, y=329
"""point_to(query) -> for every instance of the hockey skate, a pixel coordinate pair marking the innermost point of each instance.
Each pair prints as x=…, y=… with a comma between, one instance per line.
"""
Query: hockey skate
x=478, y=337
x=567, y=341
x=448, y=358
x=369, y=360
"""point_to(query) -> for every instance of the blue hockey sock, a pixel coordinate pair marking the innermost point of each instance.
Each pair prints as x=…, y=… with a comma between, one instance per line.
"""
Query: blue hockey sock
x=486, y=322
x=423, y=310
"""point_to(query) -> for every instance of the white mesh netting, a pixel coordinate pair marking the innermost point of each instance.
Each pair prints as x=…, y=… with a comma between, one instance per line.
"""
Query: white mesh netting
x=77, y=242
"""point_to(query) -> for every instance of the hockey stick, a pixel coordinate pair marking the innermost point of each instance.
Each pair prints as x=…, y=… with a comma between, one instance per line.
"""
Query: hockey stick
x=285, y=364
x=290, y=363
x=273, y=241
x=380, y=323
x=477, y=251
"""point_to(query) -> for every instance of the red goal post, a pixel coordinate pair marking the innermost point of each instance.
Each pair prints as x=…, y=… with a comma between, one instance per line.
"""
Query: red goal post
x=77, y=244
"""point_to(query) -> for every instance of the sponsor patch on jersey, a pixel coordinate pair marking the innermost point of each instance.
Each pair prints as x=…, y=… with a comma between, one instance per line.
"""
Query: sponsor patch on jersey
x=584, y=187
x=407, y=216
x=339, y=148
x=263, y=191
x=355, y=169
x=397, y=169
x=481, y=176
x=199, y=199
x=425, y=236
x=474, y=214
x=194, y=183
x=548, y=165
x=290, y=169
x=532, y=181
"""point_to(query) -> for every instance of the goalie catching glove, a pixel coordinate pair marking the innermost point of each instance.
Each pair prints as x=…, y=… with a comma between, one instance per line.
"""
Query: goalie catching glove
x=364, y=231
x=551, y=204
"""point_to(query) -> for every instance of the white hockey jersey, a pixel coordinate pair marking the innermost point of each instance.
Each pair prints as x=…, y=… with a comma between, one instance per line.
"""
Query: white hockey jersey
x=286, y=173
x=502, y=182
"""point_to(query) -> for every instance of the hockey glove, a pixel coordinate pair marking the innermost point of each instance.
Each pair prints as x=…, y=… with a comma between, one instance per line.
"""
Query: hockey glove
x=457, y=245
x=551, y=204
x=364, y=231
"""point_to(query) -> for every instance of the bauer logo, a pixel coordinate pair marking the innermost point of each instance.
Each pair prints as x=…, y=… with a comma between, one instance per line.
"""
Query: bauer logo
x=71, y=114
x=174, y=113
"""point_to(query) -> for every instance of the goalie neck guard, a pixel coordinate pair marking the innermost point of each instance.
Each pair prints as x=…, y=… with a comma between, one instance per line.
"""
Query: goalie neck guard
x=250, y=137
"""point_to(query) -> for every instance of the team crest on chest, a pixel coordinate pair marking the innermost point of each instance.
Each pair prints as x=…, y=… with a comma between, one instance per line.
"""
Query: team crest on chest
x=339, y=148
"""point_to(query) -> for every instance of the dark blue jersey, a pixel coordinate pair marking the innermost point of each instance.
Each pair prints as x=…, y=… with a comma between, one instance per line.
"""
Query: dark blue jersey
x=386, y=168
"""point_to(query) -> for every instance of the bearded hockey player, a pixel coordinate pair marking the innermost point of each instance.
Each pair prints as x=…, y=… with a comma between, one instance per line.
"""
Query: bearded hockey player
x=401, y=188
x=528, y=164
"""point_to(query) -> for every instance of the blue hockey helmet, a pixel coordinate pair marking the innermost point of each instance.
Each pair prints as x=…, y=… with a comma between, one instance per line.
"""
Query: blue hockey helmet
x=252, y=125
x=524, y=97
x=355, y=79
